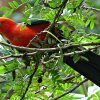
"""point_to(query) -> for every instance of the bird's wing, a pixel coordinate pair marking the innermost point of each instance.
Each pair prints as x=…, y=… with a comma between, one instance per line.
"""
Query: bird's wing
x=37, y=22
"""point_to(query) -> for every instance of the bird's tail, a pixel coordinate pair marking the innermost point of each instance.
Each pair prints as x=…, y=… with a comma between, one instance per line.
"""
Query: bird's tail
x=89, y=68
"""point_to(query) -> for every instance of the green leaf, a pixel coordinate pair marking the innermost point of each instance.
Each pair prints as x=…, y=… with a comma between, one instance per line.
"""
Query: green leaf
x=87, y=22
x=27, y=13
x=92, y=24
x=23, y=26
x=11, y=4
x=76, y=58
x=23, y=1
x=3, y=51
x=15, y=3
x=4, y=8
x=2, y=69
x=36, y=44
x=8, y=13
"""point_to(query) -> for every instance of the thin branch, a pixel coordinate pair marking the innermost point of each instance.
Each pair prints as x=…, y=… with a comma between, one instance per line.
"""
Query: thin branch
x=52, y=58
x=71, y=77
x=92, y=8
x=36, y=36
x=17, y=55
x=80, y=52
x=60, y=10
x=30, y=81
x=51, y=49
x=70, y=90
x=10, y=92
x=93, y=34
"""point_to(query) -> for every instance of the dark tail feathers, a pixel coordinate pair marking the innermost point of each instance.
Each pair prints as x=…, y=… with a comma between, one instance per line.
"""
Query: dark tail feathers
x=89, y=68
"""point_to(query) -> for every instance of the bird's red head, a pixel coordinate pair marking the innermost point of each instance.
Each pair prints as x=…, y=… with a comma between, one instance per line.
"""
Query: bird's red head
x=5, y=24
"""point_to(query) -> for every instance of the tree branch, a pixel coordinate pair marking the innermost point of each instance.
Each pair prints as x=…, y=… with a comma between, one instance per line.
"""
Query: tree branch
x=92, y=8
x=17, y=55
x=70, y=90
x=30, y=81
x=51, y=49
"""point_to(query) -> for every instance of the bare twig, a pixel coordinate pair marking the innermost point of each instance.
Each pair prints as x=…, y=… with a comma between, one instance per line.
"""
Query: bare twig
x=51, y=49
x=80, y=52
x=70, y=90
x=10, y=92
x=60, y=10
x=71, y=77
x=30, y=81
x=36, y=36
x=92, y=8
x=17, y=55
x=93, y=34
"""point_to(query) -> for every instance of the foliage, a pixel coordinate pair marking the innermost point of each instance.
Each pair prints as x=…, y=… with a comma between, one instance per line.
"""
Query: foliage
x=76, y=22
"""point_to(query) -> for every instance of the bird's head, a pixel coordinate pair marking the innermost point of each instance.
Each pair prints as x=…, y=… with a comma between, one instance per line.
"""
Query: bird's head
x=6, y=24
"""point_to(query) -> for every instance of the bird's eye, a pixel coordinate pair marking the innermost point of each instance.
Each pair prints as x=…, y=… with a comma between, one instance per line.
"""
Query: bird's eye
x=0, y=23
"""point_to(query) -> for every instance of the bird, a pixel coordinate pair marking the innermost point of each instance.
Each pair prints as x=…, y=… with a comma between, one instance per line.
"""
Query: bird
x=13, y=33
x=88, y=67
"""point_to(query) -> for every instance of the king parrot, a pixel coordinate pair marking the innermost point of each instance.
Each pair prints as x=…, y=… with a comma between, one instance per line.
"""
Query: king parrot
x=90, y=68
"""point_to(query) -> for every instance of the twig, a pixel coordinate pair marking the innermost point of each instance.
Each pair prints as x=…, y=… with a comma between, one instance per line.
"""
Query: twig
x=70, y=90
x=43, y=62
x=93, y=34
x=80, y=52
x=17, y=55
x=51, y=49
x=59, y=12
x=30, y=81
x=92, y=8
x=10, y=92
x=71, y=77
x=36, y=36
x=63, y=4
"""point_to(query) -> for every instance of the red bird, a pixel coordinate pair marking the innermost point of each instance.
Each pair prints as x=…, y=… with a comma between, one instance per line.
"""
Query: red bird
x=12, y=31
x=89, y=68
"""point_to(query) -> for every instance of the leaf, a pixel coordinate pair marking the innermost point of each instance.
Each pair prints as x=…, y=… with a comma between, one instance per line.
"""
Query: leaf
x=2, y=69
x=92, y=25
x=4, y=8
x=5, y=52
x=15, y=3
x=11, y=4
x=23, y=1
x=8, y=13
x=87, y=22
x=27, y=13
x=36, y=44
x=76, y=58
x=23, y=26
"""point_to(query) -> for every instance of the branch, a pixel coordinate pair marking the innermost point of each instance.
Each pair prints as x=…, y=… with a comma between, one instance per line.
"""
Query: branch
x=17, y=55
x=92, y=8
x=70, y=90
x=60, y=10
x=69, y=78
x=10, y=92
x=51, y=49
x=93, y=34
x=30, y=81
x=36, y=36
x=80, y=52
